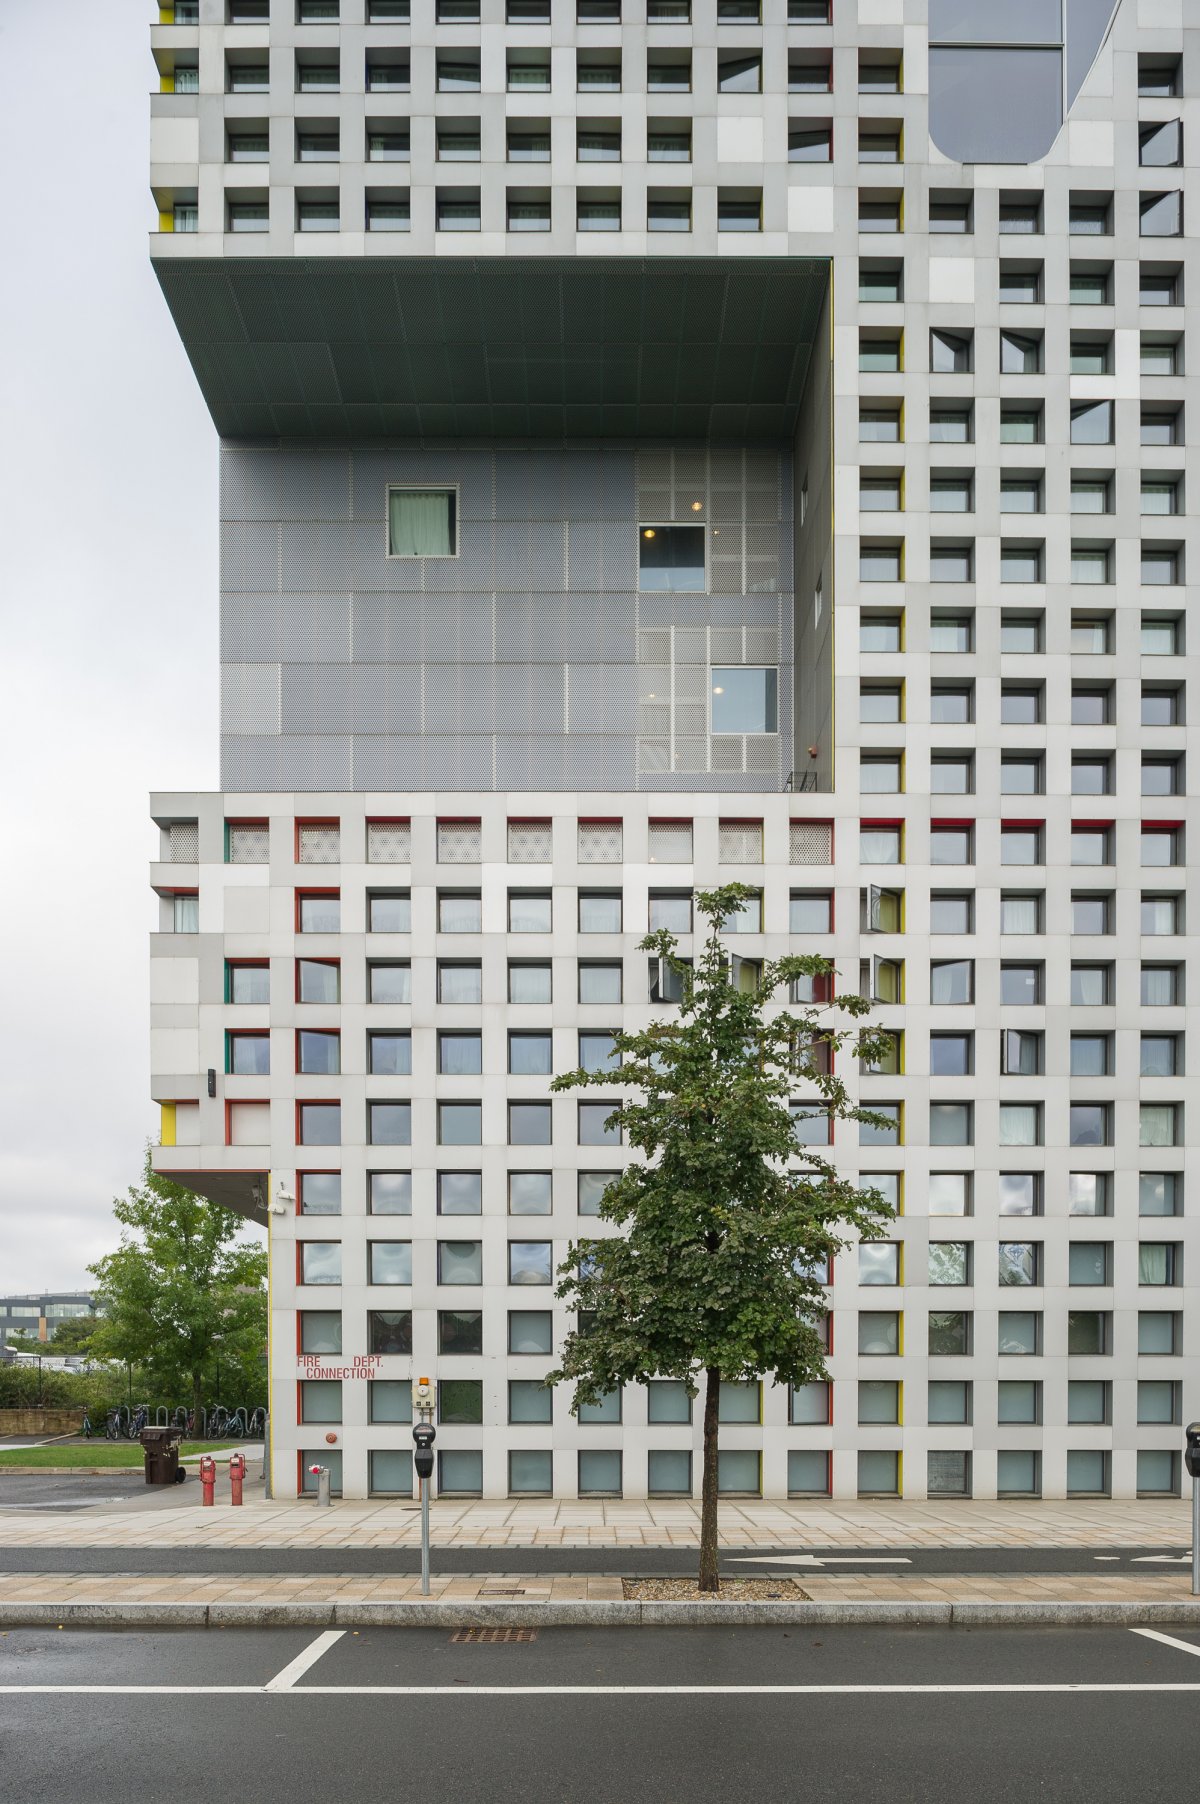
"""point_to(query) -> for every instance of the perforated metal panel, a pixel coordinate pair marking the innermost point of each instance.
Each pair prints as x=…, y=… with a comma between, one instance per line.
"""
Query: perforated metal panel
x=516, y=662
x=530, y=842
x=319, y=845
x=739, y=842
x=600, y=842
x=183, y=842
x=811, y=842
x=670, y=842
x=459, y=842
x=248, y=845
x=389, y=842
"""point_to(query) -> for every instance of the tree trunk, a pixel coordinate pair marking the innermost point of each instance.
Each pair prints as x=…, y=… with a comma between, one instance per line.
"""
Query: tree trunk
x=197, y=1380
x=708, y=1493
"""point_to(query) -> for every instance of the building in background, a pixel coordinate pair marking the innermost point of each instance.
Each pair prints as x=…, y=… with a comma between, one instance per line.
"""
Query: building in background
x=40, y=1313
x=666, y=442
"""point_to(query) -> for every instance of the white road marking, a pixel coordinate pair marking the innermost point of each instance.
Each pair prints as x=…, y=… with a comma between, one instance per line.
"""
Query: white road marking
x=296, y=1669
x=469, y=1690
x=1185, y=1647
x=1161, y=1559
x=812, y=1559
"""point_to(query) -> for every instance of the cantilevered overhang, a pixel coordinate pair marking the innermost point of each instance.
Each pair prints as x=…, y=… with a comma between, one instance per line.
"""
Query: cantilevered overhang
x=243, y=1190
x=499, y=347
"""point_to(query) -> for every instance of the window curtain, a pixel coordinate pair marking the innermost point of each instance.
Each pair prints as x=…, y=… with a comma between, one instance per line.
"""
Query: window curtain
x=1157, y=1124
x=1152, y=1264
x=421, y=524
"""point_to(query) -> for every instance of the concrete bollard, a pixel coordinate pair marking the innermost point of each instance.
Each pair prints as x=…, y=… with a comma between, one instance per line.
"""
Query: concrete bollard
x=322, y=1477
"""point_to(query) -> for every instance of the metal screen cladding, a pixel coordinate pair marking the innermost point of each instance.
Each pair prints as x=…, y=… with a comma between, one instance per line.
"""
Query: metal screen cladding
x=549, y=651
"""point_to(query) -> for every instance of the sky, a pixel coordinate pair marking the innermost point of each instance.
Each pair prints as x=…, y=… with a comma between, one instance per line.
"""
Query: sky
x=108, y=621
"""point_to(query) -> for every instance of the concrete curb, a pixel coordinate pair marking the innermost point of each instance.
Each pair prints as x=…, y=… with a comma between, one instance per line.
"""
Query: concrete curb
x=584, y=1614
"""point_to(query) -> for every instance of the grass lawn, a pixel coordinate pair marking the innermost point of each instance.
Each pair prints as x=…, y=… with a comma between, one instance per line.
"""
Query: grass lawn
x=98, y=1453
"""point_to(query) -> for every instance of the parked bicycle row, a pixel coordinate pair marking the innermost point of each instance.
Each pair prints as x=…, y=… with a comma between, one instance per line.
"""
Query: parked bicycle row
x=218, y=1424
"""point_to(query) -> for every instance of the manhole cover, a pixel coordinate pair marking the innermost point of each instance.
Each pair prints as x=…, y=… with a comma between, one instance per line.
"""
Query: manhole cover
x=475, y=1636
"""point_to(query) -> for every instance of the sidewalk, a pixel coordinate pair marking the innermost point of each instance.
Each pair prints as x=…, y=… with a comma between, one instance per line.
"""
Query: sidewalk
x=569, y=1523
x=568, y=1599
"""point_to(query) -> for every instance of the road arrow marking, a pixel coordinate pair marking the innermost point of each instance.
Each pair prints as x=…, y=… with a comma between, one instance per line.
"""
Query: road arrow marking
x=1161, y=1559
x=812, y=1559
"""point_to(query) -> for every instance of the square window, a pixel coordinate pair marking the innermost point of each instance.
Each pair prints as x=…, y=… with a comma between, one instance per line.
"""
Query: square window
x=389, y=1400
x=389, y=1192
x=1018, y=1400
x=460, y=1473
x=671, y=558
x=389, y=1331
x=740, y=212
x=668, y=1473
x=744, y=700
x=459, y=1193
x=320, y=1192
x=460, y=1123
x=320, y=1331
x=529, y=1123
x=530, y=1400
x=950, y=1333
x=390, y=1123
x=389, y=1262
x=530, y=1054
x=460, y=1331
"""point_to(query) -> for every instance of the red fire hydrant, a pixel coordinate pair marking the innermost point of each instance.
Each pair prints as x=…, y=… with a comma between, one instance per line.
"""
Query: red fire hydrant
x=237, y=1472
x=208, y=1479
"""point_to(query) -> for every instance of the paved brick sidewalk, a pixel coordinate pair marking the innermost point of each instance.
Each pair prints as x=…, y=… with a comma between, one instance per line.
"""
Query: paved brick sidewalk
x=566, y=1524
x=74, y=1589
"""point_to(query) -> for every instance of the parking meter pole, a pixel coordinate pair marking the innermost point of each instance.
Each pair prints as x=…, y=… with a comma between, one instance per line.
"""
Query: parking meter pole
x=1191, y=1460
x=425, y=1537
x=424, y=1434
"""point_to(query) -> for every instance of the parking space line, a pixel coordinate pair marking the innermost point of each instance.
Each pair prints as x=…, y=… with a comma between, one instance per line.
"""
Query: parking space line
x=1185, y=1647
x=296, y=1669
x=471, y=1690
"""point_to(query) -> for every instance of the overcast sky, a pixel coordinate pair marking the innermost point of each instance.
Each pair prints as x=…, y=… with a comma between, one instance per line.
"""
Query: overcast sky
x=108, y=603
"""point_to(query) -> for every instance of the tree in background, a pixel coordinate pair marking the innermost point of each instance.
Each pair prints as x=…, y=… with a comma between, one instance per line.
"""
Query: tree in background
x=729, y=1224
x=181, y=1292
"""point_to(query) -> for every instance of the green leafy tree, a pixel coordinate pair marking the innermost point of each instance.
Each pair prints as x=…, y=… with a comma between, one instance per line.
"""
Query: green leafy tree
x=181, y=1291
x=728, y=1220
x=73, y=1334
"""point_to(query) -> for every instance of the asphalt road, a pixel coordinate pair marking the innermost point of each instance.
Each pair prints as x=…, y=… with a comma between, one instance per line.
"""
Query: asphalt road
x=124, y=1485
x=649, y=1716
x=627, y=1561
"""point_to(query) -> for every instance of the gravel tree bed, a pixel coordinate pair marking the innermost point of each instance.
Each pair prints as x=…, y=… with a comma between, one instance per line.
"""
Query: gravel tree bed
x=733, y=1591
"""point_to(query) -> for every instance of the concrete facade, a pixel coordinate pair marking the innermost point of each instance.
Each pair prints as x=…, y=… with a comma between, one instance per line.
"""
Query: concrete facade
x=970, y=541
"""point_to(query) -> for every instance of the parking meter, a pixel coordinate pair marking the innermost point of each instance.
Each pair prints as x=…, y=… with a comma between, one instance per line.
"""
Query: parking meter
x=424, y=1436
x=1191, y=1457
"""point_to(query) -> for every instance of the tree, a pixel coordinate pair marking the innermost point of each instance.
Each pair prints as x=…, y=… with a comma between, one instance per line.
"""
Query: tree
x=729, y=1221
x=73, y=1334
x=180, y=1290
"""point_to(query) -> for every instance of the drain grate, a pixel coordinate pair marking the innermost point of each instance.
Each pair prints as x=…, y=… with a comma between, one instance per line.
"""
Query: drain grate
x=474, y=1636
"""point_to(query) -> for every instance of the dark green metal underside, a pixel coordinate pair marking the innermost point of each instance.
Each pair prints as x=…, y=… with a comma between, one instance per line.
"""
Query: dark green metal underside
x=499, y=347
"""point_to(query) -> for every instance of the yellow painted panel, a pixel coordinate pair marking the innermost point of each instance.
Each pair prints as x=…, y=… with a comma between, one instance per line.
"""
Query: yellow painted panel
x=167, y=1132
x=900, y=1405
x=166, y=222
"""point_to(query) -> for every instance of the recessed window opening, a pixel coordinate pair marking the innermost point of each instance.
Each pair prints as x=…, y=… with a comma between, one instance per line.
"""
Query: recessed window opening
x=422, y=523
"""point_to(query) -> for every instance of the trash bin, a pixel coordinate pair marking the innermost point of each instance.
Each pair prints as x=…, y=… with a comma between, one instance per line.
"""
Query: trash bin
x=160, y=1451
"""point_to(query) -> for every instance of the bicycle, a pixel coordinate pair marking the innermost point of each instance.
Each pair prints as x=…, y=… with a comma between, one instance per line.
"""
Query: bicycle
x=85, y=1427
x=113, y=1430
x=137, y=1422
